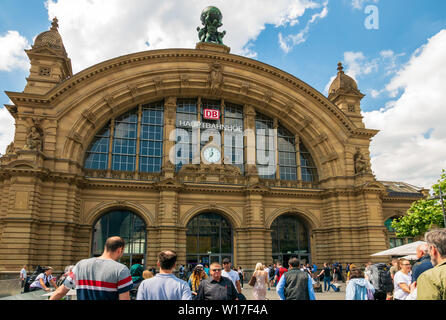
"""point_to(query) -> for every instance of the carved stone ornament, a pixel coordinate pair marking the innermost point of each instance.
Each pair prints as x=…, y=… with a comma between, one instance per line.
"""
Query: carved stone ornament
x=216, y=78
x=158, y=83
x=89, y=116
x=244, y=88
x=168, y=167
x=185, y=81
x=171, y=102
x=110, y=101
x=34, y=139
x=361, y=165
x=267, y=96
x=10, y=148
x=133, y=89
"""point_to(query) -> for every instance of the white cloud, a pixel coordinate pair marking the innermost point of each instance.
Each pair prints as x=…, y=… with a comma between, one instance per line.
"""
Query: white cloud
x=7, y=129
x=96, y=30
x=356, y=65
x=411, y=146
x=359, y=4
x=12, y=55
x=287, y=43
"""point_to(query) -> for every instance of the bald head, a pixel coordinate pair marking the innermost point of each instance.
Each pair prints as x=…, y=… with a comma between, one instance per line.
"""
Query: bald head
x=422, y=250
x=114, y=243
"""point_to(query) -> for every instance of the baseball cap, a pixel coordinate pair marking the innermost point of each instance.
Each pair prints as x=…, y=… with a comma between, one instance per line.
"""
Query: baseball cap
x=226, y=260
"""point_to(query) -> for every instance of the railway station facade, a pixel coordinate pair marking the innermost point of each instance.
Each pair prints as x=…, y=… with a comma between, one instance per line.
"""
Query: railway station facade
x=120, y=149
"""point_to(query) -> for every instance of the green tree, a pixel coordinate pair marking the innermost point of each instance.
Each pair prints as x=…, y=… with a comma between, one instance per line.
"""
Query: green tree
x=423, y=214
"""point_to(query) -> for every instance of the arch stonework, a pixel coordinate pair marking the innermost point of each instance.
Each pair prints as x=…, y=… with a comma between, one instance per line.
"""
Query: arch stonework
x=52, y=185
x=104, y=207
x=312, y=221
x=229, y=214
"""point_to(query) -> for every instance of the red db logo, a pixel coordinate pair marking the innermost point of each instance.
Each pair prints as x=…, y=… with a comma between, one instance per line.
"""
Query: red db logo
x=211, y=114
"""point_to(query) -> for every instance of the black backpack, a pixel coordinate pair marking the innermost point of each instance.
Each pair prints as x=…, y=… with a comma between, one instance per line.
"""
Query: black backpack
x=271, y=272
x=33, y=277
x=381, y=279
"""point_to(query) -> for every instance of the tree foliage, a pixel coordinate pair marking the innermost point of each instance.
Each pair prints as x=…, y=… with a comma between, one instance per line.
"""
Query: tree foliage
x=423, y=214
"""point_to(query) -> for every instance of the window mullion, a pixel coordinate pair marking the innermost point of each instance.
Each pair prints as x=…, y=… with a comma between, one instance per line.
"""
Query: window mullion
x=298, y=165
x=276, y=146
x=138, y=134
x=110, y=149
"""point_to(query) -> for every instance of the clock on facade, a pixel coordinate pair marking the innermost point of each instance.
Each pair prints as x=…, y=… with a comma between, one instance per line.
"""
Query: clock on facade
x=211, y=154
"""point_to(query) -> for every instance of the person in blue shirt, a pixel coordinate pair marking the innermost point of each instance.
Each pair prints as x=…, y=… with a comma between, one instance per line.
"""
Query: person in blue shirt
x=295, y=284
x=206, y=269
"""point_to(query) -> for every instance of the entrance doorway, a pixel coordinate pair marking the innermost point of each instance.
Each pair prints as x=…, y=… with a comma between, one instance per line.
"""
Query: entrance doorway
x=129, y=227
x=290, y=238
x=209, y=239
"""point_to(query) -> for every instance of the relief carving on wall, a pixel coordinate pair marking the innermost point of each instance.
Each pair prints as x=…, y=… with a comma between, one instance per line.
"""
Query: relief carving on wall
x=216, y=78
x=34, y=138
x=361, y=165
x=10, y=148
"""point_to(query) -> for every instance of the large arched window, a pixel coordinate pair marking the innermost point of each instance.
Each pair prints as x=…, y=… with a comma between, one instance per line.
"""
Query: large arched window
x=209, y=239
x=133, y=142
x=128, y=226
x=290, y=238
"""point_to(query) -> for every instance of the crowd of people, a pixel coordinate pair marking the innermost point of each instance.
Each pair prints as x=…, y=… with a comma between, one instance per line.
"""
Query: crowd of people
x=104, y=278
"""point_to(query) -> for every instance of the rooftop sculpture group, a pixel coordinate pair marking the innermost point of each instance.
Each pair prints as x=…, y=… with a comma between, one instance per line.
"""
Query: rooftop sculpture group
x=211, y=18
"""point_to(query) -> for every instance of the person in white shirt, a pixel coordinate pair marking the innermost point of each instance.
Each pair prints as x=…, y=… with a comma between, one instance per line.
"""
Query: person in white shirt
x=23, y=276
x=44, y=280
x=402, y=280
x=231, y=274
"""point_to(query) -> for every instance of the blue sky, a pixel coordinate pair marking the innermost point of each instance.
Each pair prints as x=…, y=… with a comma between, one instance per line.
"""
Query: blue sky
x=383, y=61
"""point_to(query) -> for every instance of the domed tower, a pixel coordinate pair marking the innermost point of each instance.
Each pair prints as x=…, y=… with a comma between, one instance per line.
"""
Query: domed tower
x=345, y=94
x=50, y=64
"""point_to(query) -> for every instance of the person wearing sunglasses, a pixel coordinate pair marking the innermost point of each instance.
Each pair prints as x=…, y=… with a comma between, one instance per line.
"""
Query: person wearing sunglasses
x=431, y=284
x=402, y=280
x=217, y=287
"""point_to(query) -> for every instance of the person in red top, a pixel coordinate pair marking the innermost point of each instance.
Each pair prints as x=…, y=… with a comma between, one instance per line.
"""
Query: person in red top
x=279, y=272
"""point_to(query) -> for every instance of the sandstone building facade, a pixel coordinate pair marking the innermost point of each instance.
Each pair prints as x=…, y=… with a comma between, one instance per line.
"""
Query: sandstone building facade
x=92, y=157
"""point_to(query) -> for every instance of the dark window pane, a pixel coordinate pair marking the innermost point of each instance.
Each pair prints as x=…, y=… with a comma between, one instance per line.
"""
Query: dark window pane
x=124, y=224
x=209, y=233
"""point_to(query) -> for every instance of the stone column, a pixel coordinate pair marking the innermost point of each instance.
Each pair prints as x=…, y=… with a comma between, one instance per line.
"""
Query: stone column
x=352, y=228
x=253, y=240
x=170, y=113
x=250, y=144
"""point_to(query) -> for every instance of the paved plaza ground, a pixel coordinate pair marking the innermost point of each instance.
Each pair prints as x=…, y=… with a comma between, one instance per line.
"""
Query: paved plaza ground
x=272, y=294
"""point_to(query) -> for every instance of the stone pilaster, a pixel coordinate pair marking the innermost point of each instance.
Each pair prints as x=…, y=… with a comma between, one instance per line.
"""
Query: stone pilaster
x=170, y=109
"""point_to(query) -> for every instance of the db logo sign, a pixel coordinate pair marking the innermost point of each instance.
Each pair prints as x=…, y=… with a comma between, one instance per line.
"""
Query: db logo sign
x=211, y=114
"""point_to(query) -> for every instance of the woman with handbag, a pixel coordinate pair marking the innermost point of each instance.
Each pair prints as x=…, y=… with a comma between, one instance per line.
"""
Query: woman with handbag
x=259, y=281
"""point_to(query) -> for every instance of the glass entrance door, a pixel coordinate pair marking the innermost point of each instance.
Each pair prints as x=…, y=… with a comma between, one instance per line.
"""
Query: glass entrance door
x=209, y=239
x=129, y=227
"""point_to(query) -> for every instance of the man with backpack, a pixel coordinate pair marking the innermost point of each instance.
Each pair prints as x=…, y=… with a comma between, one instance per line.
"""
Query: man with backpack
x=43, y=281
x=379, y=276
x=295, y=284
x=271, y=273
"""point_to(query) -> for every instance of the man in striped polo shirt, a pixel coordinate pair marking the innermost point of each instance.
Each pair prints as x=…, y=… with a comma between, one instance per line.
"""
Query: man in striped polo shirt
x=101, y=278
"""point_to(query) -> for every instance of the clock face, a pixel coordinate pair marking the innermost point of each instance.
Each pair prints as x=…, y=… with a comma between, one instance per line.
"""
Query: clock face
x=212, y=154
